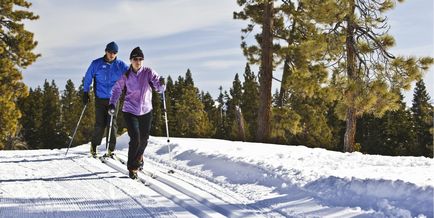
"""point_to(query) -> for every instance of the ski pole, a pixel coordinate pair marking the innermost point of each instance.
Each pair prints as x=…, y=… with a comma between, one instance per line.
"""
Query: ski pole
x=109, y=133
x=76, y=127
x=167, y=132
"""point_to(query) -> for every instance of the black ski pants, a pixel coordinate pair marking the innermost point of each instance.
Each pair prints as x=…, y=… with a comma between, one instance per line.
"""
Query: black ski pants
x=138, y=128
x=102, y=120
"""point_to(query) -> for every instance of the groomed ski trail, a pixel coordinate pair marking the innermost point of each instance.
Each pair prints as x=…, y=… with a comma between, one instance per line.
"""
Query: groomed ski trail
x=74, y=186
x=184, y=184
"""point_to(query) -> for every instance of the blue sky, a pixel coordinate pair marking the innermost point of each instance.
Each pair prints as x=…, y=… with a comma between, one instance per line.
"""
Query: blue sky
x=176, y=35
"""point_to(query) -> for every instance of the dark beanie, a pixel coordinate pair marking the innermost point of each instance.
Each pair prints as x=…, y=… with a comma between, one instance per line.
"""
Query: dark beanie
x=112, y=47
x=136, y=52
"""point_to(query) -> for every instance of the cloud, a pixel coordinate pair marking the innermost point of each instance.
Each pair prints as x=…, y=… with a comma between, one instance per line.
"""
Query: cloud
x=221, y=64
x=202, y=54
x=82, y=22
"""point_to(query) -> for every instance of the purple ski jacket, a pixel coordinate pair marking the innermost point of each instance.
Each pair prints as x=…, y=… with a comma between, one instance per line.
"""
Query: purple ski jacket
x=138, y=98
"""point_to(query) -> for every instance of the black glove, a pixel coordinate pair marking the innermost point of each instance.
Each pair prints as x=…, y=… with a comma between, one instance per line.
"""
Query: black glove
x=111, y=109
x=162, y=82
x=85, y=98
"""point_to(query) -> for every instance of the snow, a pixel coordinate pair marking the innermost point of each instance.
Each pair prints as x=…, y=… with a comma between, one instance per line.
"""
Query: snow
x=215, y=178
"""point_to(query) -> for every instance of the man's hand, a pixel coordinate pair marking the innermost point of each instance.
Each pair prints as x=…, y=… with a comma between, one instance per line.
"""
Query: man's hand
x=85, y=98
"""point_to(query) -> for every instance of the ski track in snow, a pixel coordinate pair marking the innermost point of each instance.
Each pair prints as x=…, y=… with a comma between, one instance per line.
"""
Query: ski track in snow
x=215, y=178
x=77, y=187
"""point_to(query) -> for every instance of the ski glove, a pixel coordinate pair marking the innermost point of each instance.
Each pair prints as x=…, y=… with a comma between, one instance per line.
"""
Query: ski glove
x=161, y=89
x=111, y=109
x=85, y=98
x=162, y=82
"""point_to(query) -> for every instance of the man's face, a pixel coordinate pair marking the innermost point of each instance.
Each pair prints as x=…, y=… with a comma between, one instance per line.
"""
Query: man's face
x=110, y=55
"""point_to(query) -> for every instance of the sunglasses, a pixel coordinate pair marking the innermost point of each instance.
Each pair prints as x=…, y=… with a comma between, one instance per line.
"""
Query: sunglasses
x=112, y=52
x=137, y=59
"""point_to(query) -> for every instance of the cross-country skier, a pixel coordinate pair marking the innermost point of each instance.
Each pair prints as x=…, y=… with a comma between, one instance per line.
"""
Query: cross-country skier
x=103, y=72
x=137, y=110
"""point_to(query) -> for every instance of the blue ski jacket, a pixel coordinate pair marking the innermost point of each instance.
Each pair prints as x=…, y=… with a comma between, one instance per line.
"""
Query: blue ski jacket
x=104, y=75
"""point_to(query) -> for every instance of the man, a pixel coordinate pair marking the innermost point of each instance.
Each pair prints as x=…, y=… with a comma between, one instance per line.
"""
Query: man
x=103, y=72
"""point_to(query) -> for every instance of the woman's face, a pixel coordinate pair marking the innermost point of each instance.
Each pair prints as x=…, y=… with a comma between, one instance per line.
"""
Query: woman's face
x=136, y=62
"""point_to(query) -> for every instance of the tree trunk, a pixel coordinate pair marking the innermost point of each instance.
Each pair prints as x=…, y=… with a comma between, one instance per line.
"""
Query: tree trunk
x=283, y=95
x=240, y=124
x=350, y=131
x=266, y=74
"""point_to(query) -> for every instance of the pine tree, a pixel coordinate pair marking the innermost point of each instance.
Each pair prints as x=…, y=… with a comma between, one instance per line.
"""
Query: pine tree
x=170, y=105
x=191, y=119
x=399, y=131
x=53, y=135
x=221, y=127
x=422, y=111
x=313, y=123
x=70, y=109
x=31, y=121
x=261, y=12
x=212, y=111
x=371, y=134
x=298, y=44
x=368, y=76
x=250, y=102
x=337, y=127
x=85, y=130
x=234, y=103
x=391, y=134
x=158, y=125
x=16, y=45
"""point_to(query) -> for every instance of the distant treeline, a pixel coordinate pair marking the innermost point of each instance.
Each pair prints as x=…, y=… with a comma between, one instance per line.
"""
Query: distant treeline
x=50, y=116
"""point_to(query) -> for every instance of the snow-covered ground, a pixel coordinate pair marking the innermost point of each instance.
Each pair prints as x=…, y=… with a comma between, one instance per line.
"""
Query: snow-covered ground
x=215, y=178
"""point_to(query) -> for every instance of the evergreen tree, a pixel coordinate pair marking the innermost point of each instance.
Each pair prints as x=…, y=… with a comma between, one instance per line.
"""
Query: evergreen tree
x=371, y=134
x=158, y=125
x=250, y=102
x=70, y=109
x=16, y=45
x=221, y=128
x=391, y=134
x=191, y=119
x=234, y=103
x=261, y=12
x=299, y=45
x=337, y=127
x=422, y=111
x=53, y=135
x=170, y=105
x=188, y=78
x=31, y=121
x=399, y=132
x=212, y=111
x=85, y=130
x=368, y=76
x=314, y=129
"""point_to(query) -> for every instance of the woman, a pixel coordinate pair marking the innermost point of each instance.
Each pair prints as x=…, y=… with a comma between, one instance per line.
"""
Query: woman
x=137, y=83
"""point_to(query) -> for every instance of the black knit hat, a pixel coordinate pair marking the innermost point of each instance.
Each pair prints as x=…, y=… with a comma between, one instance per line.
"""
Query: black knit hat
x=136, y=52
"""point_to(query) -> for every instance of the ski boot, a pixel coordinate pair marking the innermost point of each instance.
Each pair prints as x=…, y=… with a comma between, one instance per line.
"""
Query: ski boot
x=110, y=154
x=140, y=165
x=133, y=174
x=93, y=151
